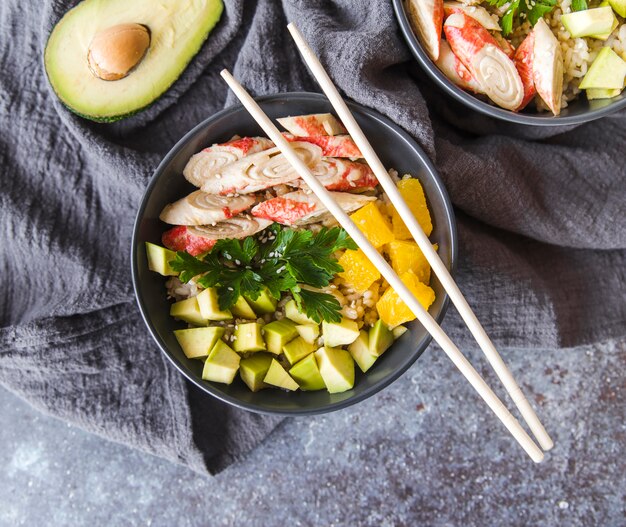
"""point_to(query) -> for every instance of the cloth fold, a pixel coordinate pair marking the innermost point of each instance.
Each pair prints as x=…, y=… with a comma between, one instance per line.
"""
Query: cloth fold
x=541, y=217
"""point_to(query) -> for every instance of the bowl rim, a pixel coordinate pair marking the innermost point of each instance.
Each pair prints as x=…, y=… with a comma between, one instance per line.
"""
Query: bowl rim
x=476, y=104
x=207, y=387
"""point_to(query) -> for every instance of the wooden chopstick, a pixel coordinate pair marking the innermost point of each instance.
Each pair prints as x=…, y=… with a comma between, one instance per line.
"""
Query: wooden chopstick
x=386, y=271
x=422, y=240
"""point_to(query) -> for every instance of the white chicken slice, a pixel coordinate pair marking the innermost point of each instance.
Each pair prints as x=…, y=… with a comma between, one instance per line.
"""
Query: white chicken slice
x=200, y=208
x=303, y=207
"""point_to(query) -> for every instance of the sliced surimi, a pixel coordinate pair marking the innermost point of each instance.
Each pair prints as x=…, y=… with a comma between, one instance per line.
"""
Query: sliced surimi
x=524, y=63
x=482, y=56
x=478, y=13
x=205, y=164
x=200, y=208
x=427, y=18
x=342, y=175
x=261, y=170
x=454, y=69
x=548, y=66
x=313, y=124
x=302, y=207
x=331, y=145
x=199, y=239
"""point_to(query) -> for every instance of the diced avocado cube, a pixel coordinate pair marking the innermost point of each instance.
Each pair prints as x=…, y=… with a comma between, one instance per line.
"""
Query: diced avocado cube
x=159, y=259
x=189, y=311
x=336, y=368
x=398, y=331
x=242, y=309
x=248, y=338
x=309, y=332
x=292, y=313
x=279, y=333
x=606, y=71
x=221, y=365
x=339, y=333
x=264, y=304
x=198, y=342
x=297, y=349
x=588, y=22
x=254, y=369
x=380, y=338
x=601, y=93
x=605, y=36
x=277, y=376
x=209, y=306
x=307, y=374
x=360, y=351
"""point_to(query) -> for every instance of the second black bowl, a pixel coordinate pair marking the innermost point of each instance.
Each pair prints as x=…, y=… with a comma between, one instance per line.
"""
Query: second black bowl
x=578, y=111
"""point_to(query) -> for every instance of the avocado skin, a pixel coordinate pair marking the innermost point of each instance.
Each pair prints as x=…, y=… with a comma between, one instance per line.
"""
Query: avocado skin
x=114, y=118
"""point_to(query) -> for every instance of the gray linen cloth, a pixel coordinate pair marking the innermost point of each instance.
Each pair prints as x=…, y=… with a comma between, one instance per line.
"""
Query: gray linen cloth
x=541, y=217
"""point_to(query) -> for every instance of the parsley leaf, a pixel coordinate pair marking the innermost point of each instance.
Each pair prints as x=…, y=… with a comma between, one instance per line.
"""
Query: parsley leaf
x=284, y=259
x=318, y=306
x=188, y=266
x=531, y=10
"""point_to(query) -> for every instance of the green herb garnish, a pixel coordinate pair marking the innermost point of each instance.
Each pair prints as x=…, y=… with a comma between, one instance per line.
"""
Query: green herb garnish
x=579, y=5
x=281, y=260
x=531, y=10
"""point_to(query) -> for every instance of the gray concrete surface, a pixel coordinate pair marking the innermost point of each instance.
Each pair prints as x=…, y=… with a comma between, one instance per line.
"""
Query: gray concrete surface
x=423, y=452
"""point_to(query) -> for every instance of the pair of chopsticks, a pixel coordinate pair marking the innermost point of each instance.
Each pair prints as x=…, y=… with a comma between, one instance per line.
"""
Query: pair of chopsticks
x=424, y=244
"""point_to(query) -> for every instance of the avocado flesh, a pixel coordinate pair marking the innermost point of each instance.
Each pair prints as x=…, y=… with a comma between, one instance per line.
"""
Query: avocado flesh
x=248, y=338
x=607, y=71
x=178, y=29
x=221, y=365
x=159, y=259
x=588, y=22
x=307, y=374
x=292, y=313
x=198, y=342
x=380, y=338
x=297, y=349
x=619, y=6
x=209, y=306
x=277, y=376
x=601, y=93
x=264, y=304
x=279, y=333
x=242, y=309
x=337, y=369
x=339, y=333
x=309, y=332
x=360, y=352
x=188, y=310
x=254, y=369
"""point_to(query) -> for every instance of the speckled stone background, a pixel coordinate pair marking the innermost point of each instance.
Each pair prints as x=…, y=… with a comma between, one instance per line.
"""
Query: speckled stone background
x=423, y=452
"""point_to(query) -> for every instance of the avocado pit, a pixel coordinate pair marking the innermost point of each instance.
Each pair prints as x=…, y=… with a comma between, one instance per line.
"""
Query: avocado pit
x=115, y=51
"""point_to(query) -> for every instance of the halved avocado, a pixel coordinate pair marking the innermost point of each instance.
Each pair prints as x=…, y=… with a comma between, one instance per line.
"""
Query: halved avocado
x=177, y=30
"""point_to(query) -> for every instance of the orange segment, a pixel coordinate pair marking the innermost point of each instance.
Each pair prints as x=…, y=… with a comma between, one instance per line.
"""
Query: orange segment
x=407, y=256
x=413, y=193
x=373, y=224
x=358, y=271
x=393, y=311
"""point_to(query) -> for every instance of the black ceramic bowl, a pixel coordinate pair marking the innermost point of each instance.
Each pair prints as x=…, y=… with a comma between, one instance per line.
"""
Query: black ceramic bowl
x=395, y=148
x=579, y=111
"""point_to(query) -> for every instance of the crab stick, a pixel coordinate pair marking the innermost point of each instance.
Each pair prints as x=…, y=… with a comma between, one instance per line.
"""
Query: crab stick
x=427, y=19
x=494, y=71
